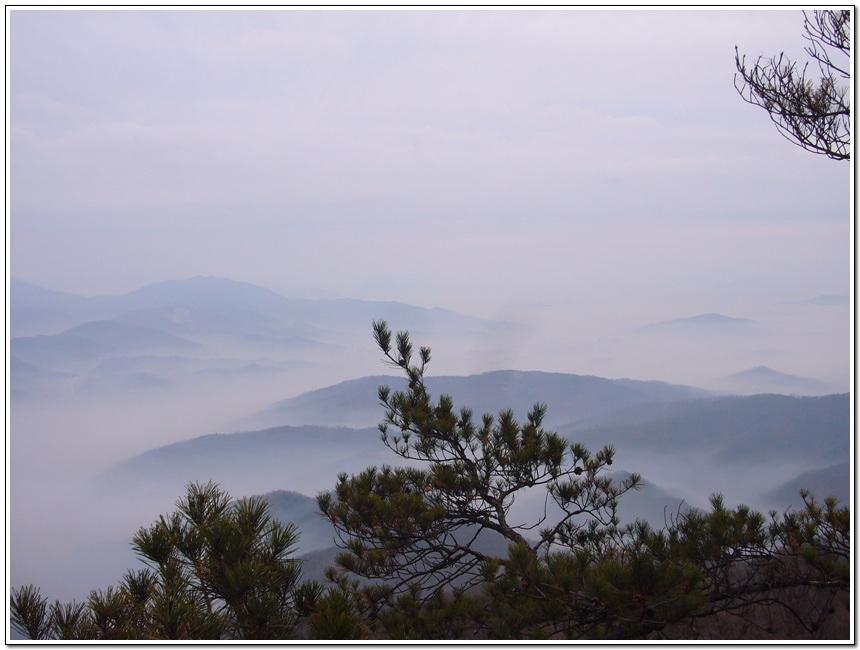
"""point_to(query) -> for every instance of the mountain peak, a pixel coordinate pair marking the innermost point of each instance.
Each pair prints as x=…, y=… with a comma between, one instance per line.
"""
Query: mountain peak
x=706, y=323
x=200, y=289
x=712, y=318
x=763, y=378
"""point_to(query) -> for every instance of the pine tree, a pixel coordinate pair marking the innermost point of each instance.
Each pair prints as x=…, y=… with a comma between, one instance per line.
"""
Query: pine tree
x=214, y=569
x=413, y=534
x=421, y=529
x=815, y=115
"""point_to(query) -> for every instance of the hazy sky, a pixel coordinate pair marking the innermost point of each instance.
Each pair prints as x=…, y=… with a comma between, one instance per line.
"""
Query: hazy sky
x=467, y=159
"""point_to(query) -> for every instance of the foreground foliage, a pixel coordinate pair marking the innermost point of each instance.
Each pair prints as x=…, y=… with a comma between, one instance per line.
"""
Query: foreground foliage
x=214, y=569
x=434, y=550
x=413, y=536
x=424, y=526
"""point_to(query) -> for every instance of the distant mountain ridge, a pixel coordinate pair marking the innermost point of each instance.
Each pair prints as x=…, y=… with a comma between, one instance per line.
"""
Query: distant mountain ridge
x=205, y=325
x=33, y=306
x=251, y=462
x=834, y=480
x=702, y=324
x=126, y=336
x=760, y=431
x=764, y=379
x=571, y=398
x=711, y=319
x=757, y=428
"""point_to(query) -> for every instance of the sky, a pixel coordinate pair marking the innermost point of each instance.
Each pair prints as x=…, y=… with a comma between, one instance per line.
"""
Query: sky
x=504, y=163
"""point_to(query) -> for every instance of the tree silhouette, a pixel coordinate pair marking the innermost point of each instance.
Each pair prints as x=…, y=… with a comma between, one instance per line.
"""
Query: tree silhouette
x=815, y=115
x=414, y=535
x=215, y=568
x=420, y=528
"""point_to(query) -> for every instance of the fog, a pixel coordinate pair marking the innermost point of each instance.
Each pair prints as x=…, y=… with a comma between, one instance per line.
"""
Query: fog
x=70, y=533
x=573, y=184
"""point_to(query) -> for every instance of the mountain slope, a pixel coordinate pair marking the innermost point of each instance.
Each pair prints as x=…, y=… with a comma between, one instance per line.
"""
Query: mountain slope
x=834, y=480
x=315, y=532
x=307, y=459
x=763, y=379
x=34, y=310
x=229, y=296
x=747, y=446
x=759, y=428
x=708, y=324
x=210, y=319
x=203, y=290
x=571, y=398
x=126, y=337
x=80, y=349
x=825, y=301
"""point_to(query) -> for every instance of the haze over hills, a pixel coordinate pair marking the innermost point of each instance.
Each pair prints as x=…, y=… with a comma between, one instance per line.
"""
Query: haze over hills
x=833, y=480
x=827, y=301
x=196, y=181
x=204, y=325
x=304, y=459
x=37, y=311
x=252, y=322
x=335, y=428
x=132, y=388
x=128, y=337
x=571, y=398
x=713, y=324
x=764, y=379
x=754, y=450
x=757, y=429
x=764, y=437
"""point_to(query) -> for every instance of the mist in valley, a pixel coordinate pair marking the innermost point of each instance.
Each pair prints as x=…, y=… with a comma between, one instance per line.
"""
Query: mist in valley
x=69, y=451
x=190, y=260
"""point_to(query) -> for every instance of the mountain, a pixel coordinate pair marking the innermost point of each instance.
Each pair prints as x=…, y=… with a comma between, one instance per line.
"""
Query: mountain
x=29, y=302
x=218, y=325
x=652, y=503
x=825, y=301
x=747, y=446
x=126, y=337
x=34, y=310
x=315, y=532
x=763, y=379
x=224, y=298
x=200, y=290
x=758, y=428
x=757, y=450
x=78, y=358
x=834, y=480
x=306, y=458
x=571, y=398
x=55, y=350
x=28, y=381
x=711, y=324
x=26, y=295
